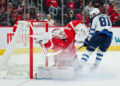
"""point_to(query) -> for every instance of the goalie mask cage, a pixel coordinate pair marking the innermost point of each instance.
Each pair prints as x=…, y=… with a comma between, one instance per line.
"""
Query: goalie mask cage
x=22, y=47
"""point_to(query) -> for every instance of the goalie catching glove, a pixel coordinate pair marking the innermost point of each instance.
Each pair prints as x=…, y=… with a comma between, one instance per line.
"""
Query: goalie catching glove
x=45, y=37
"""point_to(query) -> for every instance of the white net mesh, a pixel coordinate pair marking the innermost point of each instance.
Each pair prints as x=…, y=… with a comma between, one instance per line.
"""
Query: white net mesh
x=15, y=63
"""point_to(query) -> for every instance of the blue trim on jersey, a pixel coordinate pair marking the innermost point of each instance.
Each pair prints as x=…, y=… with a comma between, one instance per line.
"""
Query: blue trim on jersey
x=91, y=33
x=86, y=55
x=105, y=32
x=84, y=59
x=92, y=29
x=98, y=59
x=99, y=54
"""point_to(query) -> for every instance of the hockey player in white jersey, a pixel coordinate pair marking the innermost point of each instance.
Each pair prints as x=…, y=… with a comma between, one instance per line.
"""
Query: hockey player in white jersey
x=100, y=36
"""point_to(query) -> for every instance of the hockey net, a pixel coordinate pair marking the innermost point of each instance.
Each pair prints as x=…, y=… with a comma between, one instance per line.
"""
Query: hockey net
x=23, y=55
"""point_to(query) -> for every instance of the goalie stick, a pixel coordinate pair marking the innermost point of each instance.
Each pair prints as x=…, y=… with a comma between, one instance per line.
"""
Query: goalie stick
x=80, y=47
x=45, y=51
x=56, y=72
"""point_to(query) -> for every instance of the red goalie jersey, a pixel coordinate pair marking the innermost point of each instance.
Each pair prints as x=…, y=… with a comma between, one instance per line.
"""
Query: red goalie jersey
x=64, y=41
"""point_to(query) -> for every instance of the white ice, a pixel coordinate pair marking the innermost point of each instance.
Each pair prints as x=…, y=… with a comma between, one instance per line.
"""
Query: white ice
x=108, y=74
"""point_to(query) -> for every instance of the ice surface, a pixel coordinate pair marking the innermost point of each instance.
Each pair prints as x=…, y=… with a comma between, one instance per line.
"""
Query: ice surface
x=108, y=74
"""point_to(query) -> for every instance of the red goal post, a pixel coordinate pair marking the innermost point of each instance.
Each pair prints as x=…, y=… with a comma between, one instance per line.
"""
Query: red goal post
x=17, y=60
x=38, y=25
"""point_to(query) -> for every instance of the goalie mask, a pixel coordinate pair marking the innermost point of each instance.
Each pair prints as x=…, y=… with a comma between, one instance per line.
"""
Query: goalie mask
x=59, y=33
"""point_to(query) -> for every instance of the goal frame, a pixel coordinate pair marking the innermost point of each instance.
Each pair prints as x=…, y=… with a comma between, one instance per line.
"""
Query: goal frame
x=31, y=47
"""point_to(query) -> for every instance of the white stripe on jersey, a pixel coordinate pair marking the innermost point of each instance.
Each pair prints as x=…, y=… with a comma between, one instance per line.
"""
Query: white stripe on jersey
x=72, y=25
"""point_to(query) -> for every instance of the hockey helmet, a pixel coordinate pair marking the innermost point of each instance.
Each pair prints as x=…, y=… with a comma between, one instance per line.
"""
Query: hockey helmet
x=97, y=11
x=94, y=12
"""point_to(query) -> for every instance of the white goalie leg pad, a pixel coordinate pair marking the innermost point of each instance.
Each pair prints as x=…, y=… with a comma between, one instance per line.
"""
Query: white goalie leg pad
x=65, y=62
x=54, y=73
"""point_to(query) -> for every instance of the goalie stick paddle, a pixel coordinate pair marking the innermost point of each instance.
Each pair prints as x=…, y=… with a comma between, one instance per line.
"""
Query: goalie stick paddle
x=55, y=53
x=44, y=50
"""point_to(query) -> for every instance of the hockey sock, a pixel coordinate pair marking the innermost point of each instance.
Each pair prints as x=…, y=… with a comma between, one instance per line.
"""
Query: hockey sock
x=85, y=57
x=99, y=57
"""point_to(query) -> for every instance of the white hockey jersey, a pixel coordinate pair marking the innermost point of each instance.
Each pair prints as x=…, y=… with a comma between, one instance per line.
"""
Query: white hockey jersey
x=101, y=22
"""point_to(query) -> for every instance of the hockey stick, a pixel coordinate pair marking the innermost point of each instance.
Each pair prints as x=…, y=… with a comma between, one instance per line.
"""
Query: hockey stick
x=80, y=47
x=45, y=51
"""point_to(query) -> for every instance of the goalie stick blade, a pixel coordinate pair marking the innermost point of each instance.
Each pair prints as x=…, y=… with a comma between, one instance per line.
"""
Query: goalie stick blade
x=55, y=53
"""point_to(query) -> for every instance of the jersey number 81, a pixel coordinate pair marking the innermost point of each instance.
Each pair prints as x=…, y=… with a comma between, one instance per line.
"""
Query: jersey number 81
x=104, y=21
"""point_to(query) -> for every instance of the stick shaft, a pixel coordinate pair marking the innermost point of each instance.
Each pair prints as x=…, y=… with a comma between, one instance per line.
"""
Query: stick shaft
x=80, y=47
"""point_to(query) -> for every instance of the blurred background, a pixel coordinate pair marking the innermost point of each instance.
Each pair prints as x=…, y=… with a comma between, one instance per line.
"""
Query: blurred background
x=60, y=11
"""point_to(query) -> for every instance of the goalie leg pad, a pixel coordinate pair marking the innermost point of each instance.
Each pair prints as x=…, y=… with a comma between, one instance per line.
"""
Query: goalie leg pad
x=54, y=73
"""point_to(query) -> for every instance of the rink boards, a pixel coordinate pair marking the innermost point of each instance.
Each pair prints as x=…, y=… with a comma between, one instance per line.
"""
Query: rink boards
x=6, y=35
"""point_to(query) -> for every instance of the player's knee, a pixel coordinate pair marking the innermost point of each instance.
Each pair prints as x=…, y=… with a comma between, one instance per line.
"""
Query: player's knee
x=103, y=49
x=100, y=51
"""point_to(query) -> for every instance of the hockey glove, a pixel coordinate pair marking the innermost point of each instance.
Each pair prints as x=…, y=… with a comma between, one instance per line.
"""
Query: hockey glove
x=86, y=42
